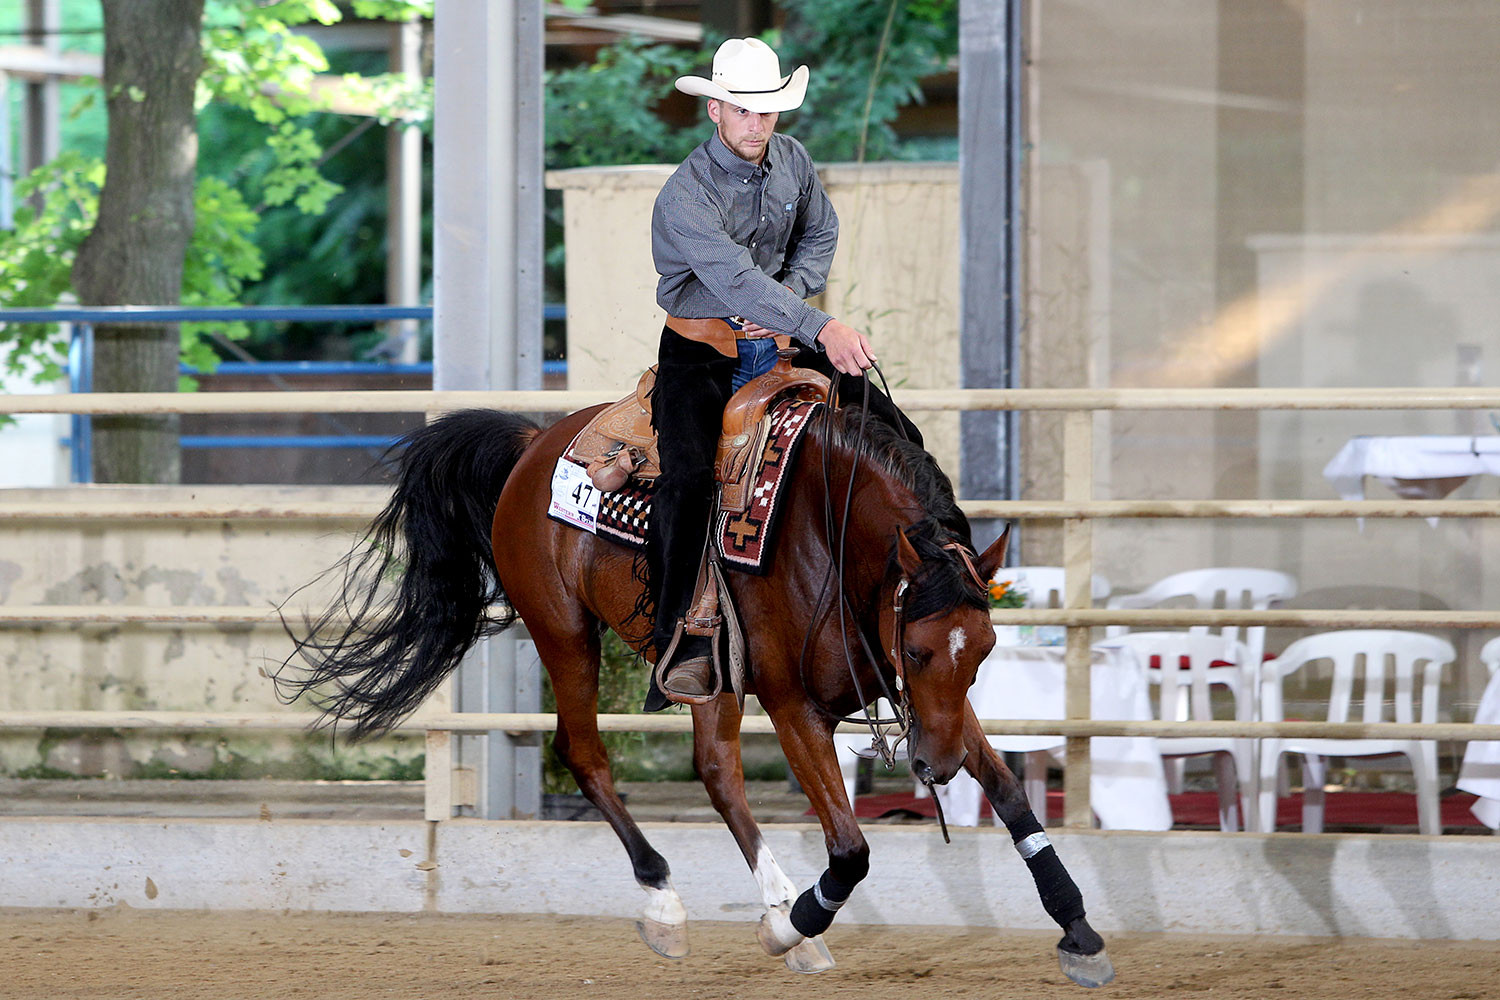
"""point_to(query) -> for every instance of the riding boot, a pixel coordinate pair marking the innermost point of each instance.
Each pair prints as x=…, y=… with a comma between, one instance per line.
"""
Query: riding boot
x=687, y=404
x=680, y=535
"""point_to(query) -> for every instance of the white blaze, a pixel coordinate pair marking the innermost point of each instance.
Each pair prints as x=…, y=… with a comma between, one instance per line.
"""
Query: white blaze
x=956, y=641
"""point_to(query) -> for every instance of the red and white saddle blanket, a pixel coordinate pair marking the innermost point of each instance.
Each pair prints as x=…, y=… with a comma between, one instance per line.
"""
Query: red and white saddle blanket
x=744, y=540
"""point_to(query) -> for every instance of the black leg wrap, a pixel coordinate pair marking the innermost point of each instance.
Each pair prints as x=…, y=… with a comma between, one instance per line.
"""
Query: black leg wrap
x=1060, y=896
x=815, y=909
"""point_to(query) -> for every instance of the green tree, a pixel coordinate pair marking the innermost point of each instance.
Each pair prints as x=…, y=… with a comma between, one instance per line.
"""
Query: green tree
x=133, y=254
x=243, y=53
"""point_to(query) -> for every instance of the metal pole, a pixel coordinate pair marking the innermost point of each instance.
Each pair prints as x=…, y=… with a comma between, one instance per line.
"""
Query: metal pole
x=403, y=258
x=7, y=166
x=989, y=177
x=41, y=124
x=487, y=299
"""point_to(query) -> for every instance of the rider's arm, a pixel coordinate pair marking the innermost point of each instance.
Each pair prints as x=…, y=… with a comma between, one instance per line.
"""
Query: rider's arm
x=816, y=233
x=688, y=234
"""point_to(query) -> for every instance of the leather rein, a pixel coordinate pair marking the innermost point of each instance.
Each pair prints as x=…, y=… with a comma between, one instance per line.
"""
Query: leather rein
x=900, y=700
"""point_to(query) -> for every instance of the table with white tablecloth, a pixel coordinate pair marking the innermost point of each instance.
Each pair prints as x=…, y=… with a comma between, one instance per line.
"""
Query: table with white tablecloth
x=1416, y=467
x=1128, y=789
x=1480, y=773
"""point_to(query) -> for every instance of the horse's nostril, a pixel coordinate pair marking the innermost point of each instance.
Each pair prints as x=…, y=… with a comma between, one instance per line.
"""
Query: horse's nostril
x=922, y=770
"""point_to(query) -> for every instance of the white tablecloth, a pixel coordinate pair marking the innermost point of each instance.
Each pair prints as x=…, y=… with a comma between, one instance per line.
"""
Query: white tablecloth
x=1128, y=790
x=1423, y=467
x=1480, y=773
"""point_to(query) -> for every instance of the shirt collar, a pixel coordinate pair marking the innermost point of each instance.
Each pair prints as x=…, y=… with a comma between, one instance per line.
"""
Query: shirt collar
x=732, y=164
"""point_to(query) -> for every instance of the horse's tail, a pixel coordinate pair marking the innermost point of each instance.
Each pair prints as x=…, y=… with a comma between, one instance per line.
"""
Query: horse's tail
x=420, y=588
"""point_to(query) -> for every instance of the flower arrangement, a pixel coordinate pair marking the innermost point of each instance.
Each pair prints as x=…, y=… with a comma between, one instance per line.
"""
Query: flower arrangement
x=1007, y=594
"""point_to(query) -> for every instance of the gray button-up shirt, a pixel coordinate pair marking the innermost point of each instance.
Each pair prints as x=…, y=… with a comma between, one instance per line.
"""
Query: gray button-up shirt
x=734, y=238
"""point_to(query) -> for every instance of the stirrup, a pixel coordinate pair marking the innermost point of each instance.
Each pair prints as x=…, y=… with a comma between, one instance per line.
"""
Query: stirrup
x=664, y=668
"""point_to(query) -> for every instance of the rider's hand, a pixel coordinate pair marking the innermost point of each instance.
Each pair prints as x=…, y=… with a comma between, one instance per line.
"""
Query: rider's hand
x=848, y=350
x=754, y=331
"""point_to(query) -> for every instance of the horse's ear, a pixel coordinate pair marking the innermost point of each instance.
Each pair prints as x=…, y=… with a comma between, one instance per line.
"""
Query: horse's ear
x=906, y=554
x=994, y=557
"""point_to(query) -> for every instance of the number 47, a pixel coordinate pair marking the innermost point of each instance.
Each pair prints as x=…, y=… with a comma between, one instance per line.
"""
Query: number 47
x=582, y=493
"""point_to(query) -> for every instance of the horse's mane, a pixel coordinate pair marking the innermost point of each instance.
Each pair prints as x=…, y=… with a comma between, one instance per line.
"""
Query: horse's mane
x=943, y=582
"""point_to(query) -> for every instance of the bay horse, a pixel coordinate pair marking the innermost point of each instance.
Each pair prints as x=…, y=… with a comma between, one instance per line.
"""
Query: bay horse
x=464, y=547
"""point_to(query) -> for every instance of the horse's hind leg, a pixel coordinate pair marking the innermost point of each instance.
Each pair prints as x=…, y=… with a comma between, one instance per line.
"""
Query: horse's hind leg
x=716, y=752
x=1080, y=953
x=574, y=669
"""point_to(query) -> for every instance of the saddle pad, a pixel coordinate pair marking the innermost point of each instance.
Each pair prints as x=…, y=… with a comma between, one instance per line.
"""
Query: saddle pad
x=745, y=540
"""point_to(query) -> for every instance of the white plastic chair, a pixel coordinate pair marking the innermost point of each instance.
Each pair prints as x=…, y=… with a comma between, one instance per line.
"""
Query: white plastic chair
x=1386, y=664
x=1181, y=667
x=1244, y=587
x=1044, y=584
x=1489, y=655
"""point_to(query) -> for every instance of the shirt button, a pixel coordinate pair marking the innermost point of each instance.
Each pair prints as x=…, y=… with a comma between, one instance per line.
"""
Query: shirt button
x=754, y=245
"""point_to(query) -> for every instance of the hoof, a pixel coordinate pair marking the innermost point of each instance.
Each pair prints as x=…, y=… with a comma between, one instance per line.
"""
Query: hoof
x=1086, y=970
x=667, y=940
x=776, y=933
x=810, y=956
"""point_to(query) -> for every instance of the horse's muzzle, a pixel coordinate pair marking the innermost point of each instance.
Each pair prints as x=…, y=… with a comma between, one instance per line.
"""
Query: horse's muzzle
x=939, y=774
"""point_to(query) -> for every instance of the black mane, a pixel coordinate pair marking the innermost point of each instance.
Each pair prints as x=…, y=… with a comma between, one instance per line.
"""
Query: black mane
x=944, y=582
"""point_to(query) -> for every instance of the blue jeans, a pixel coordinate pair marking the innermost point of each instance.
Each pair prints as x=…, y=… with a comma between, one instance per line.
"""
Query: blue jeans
x=756, y=358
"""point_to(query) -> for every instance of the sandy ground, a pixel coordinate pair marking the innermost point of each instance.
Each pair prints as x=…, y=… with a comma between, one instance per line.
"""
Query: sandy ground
x=122, y=952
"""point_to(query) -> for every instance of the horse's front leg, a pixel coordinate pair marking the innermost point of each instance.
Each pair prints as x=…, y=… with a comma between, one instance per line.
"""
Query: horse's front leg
x=1080, y=953
x=716, y=752
x=806, y=739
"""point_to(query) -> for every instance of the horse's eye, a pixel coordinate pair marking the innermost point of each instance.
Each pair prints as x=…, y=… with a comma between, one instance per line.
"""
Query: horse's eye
x=916, y=657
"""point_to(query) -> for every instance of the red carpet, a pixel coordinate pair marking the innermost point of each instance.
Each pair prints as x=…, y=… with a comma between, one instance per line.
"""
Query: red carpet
x=1201, y=809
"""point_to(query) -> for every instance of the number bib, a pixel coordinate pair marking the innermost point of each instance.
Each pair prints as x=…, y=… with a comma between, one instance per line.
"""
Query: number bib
x=575, y=499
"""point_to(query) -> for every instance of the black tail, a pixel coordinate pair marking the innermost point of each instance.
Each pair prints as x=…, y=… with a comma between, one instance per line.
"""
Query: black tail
x=420, y=588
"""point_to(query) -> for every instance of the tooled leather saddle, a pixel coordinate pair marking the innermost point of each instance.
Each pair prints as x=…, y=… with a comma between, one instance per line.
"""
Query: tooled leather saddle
x=619, y=443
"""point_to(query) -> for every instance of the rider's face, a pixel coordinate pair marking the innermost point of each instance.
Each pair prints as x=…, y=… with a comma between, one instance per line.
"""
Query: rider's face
x=746, y=133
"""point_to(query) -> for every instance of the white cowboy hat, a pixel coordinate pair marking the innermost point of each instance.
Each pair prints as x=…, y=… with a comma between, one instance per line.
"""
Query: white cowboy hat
x=748, y=74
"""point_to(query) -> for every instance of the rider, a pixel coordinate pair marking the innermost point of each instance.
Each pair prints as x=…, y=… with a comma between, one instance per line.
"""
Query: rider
x=742, y=231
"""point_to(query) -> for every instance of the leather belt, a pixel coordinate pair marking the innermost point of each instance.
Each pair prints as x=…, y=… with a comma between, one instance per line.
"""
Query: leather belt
x=714, y=332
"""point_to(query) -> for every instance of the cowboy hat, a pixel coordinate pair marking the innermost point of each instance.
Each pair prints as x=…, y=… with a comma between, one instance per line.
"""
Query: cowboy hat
x=748, y=74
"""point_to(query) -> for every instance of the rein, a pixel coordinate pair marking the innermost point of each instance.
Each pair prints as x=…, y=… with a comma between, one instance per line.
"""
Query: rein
x=900, y=700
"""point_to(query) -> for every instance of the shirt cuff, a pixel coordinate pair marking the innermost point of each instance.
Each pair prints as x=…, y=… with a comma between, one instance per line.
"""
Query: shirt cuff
x=812, y=324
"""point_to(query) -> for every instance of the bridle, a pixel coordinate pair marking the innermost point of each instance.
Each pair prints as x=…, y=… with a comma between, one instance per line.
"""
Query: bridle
x=881, y=730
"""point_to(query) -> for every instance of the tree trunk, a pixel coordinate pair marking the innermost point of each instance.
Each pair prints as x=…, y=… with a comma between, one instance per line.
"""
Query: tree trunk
x=152, y=58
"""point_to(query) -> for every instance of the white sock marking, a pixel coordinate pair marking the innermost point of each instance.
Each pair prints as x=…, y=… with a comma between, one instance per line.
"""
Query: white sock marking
x=775, y=887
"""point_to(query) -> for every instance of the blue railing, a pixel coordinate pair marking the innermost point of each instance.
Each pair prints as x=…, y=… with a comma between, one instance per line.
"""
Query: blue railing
x=81, y=361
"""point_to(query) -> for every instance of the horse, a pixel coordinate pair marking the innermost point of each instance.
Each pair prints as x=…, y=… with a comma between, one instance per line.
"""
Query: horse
x=875, y=584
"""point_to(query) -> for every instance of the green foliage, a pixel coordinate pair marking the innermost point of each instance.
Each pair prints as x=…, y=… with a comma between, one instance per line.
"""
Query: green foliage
x=868, y=61
x=37, y=255
x=254, y=64
x=605, y=113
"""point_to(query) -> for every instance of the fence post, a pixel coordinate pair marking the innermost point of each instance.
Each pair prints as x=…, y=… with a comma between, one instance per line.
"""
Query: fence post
x=437, y=773
x=1078, y=569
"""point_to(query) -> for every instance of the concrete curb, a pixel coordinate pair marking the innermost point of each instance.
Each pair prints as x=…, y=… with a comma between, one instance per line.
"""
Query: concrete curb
x=1389, y=886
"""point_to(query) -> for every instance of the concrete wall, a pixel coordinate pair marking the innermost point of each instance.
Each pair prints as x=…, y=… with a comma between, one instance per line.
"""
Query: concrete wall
x=170, y=563
x=895, y=275
x=1320, y=885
